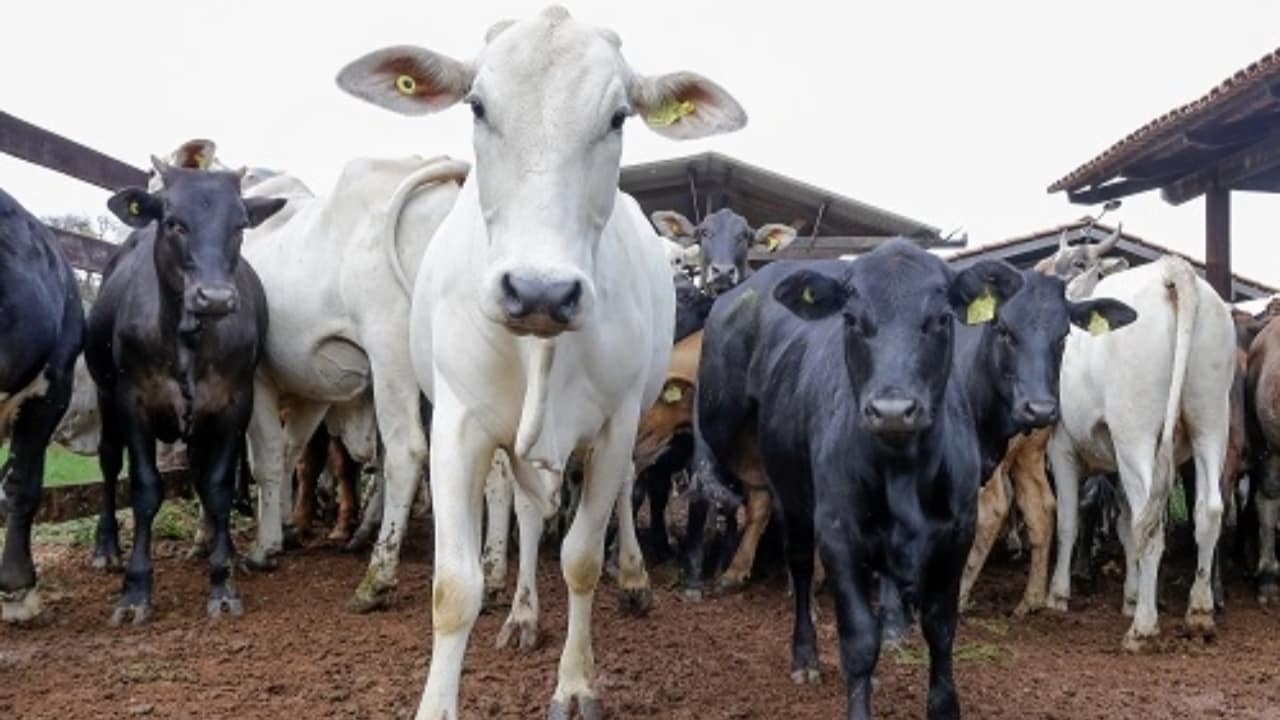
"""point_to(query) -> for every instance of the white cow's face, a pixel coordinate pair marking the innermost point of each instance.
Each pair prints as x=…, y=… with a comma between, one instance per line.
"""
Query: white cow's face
x=550, y=98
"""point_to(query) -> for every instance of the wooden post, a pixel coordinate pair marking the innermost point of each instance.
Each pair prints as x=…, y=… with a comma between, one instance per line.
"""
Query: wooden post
x=1217, y=240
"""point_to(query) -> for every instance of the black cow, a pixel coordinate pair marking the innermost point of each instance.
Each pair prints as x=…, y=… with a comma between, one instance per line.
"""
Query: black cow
x=41, y=331
x=173, y=342
x=867, y=440
x=724, y=238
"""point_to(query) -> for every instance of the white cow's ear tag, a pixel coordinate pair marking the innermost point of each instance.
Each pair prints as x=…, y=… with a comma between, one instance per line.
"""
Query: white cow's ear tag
x=202, y=161
x=672, y=394
x=406, y=85
x=1098, y=325
x=982, y=309
x=669, y=112
x=807, y=296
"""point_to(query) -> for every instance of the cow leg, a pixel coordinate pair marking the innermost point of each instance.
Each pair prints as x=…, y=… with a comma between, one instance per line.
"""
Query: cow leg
x=395, y=398
x=213, y=457
x=307, y=470
x=1124, y=531
x=266, y=448
x=106, y=553
x=635, y=597
x=939, y=614
x=1037, y=505
x=346, y=470
x=800, y=554
x=759, y=504
x=372, y=515
x=857, y=624
x=1066, y=475
x=1208, y=518
x=497, y=501
x=146, y=493
x=21, y=482
x=1146, y=494
x=459, y=460
x=1266, y=499
x=521, y=626
x=657, y=485
x=695, y=547
x=993, y=511
x=582, y=557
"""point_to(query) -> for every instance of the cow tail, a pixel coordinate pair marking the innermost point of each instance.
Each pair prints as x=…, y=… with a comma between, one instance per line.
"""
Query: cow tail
x=436, y=170
x=1180, y=284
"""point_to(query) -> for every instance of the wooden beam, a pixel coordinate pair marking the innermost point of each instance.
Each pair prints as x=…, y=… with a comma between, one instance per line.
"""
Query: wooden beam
x=82, y=251
x=41, y=147
x=1119, y=189
x=1217, y=240
x=1228, y=172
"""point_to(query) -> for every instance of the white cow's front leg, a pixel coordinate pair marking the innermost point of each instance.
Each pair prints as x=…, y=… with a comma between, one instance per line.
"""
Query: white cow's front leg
x=1208, y=516
x=635, y=596
x=581, y=559
x=1146, y=494
x=521, y=626
x=266, y=453
x=497, y=503
x=460, y=458
x=395, y=401
x=1066, y=473
x=1124, y=529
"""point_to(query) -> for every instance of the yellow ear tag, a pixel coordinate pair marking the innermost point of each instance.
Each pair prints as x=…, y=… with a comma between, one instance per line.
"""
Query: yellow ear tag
x=1098, y=325
x=773, y=242
x=807, y=296
x=670, y=111
x=982, y=309
x=406, y=85
x=202, y=161
x=134, y=209
x=672, y=394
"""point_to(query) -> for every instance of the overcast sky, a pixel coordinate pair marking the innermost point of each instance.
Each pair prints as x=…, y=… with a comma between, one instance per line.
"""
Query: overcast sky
x=953, y=113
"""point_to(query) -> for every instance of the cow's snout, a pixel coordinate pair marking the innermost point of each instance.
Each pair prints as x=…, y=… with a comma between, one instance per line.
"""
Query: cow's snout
x=721, y=277
x=214, y=299
x=1038, y=413
x=536, y=304
x=894, y=413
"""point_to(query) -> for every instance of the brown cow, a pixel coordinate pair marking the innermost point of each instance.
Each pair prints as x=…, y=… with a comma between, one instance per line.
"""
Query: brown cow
x=1262, y=393
x=325, y=449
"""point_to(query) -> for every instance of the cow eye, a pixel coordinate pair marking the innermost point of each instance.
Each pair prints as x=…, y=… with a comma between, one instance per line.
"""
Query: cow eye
x=175, y=226
x=619, y=118
x=477, y=108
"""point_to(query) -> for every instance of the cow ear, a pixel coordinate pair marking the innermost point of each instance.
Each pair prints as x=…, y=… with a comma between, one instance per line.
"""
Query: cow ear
x=260, y=208
x=811, y=295
x=671, y=224
x=194, y=154
x=135, y=207
x=686, y=106
x=407, y=79
x=978, y=291
x=1101, y=316
x=774, y=237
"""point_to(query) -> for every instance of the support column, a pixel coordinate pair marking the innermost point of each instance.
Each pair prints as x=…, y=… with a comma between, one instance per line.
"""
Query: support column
x=1217, y=240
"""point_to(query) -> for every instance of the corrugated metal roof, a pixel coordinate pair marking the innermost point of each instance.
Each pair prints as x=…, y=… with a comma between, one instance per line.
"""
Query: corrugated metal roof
x=1106, y=165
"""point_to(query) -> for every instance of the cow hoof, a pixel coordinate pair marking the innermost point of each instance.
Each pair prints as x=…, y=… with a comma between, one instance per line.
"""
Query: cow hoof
x=20, y=607
x=198, y=551
x=108, y=562
x=730, y=584
x=293, y=537
x=1200, y=624
x=138, y=614
x=806, y=676
x=360, y=540
x=894, y=636
x=1130, y=607
x=492, y=599
x=261, y=560
x=692, y=594
x=635, y=601
x=339, y=535
x=518, y=635
x=225, y=601
x=371, y=595
x=966, y=604
x=589, y=708
x=1056, y=603
x=1029, y=607
x=1136, y=642
x=1268, y=592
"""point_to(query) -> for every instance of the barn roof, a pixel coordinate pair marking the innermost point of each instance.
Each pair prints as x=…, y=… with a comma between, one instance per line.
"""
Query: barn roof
x=698, y=184
x=1025, y=251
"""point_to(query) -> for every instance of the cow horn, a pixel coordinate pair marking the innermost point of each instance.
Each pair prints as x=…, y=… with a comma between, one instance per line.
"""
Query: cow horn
x=1062, y=242
x=1108, y=244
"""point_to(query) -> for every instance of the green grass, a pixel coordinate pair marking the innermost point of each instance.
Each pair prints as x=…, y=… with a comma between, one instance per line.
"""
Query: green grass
x=64, y=468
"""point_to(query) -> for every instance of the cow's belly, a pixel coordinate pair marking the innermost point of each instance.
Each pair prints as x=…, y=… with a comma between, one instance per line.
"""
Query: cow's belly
x=329, y=369
x=11, y=403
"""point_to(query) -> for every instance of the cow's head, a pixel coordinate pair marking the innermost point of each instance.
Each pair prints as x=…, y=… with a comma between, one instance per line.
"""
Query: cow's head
x=200, y=220
x=723, y=237
x=550, y=98
x=1026, y=336
x=1071, y=261
x=898, y=305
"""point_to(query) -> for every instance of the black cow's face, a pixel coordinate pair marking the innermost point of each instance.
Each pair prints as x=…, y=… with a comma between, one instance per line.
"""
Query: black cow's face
x=1027, y=339
x=200, y=220
x=898, y=306
x=724, y=238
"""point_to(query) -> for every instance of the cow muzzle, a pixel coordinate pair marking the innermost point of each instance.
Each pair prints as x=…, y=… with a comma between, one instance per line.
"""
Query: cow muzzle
x=213, y=300
x=720, y=278
x=535, y=306
x=1036, y=413
x=894, y=414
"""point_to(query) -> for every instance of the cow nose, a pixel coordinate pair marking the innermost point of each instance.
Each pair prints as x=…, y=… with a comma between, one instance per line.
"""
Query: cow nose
x=557, y=300
x=212, y=300
x=1041, y=412
x=893, y=414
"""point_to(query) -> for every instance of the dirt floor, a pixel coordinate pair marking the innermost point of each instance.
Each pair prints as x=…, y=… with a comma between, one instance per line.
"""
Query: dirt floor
x=299, y=653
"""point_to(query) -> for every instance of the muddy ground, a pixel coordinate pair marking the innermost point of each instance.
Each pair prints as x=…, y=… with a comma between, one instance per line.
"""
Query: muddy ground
x=299, y=653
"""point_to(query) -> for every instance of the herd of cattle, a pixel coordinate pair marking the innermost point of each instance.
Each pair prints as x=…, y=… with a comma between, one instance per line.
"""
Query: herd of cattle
x=889, y=410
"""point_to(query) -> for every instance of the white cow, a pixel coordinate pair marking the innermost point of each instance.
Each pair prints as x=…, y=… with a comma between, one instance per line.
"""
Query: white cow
x=1142, y=400
x=543, y=313
x=338, y=273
